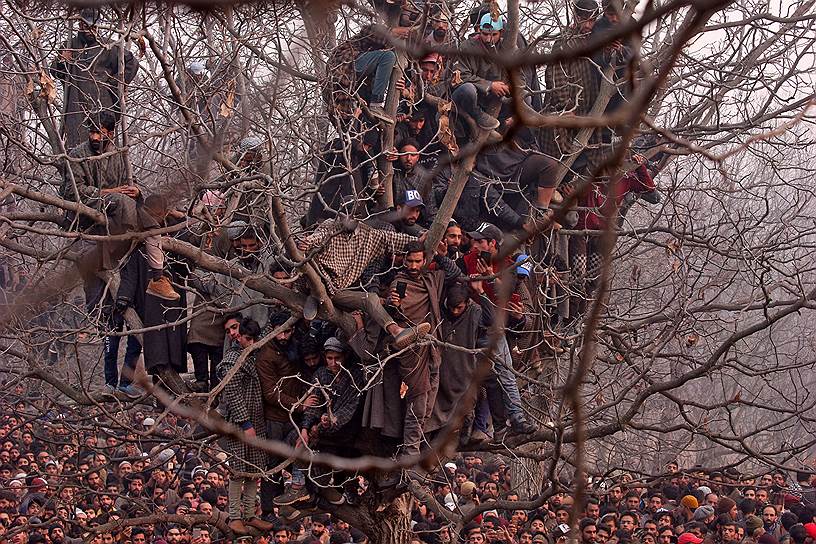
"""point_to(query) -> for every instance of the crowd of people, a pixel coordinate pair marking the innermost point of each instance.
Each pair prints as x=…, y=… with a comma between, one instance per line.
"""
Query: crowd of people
x=143, y=480
x=404, y=372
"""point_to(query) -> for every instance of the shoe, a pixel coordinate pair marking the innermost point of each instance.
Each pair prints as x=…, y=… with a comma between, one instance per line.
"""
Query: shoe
x=479, y=436
x=131, y=390
x=411, y=335
x=293, y=495
x=198, y=386
x=162, y=288
x=290, y=514
x=520, y=425
x=260, y=524
x=332, y=495
x=310, y=308
x=237, y=527
x=377, y=112
x=109, y=389
x=487, y=121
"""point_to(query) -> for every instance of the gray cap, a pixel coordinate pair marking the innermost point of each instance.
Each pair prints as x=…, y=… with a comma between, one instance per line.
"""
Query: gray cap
x=334, y=344
x=486, y=231
x=236, y=229
x=703, y=512
x=197, y=67
x=91, y=16
x=250, y=142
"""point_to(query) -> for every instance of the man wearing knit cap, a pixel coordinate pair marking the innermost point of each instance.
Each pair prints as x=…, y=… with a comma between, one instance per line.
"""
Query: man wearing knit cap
x=726, y=505
x=688, y=505
x=753, y=527
x=705, y=514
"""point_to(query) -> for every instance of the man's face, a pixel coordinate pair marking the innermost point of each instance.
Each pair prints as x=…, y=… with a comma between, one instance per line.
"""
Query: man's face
x=409, y=155
x=632, y=503
x=537, y=526
x=766, y=480
x=561, y=516
x=750, y=494
x=453, y=237
x=779, y=480
x=413, y=263
x=769, y=515
x=231, y=328
x=98, y=139
x=491, y=490
x=246, y=247
x=283, y=337
x=470, y=461
x=57, y=534
x=318, y=529
x=138, y=538
x=729, y=534
x=650, y=528
x=174, y=536
x=311, y=360
x=106, y=501
x=589, y=533
x=616, y=493
x=602, y=536
x=409, y=214
x=762, y=496
x=672, y=468
x=476, y=538
x=485, y=245
x=457, y=310
x=136, y=486
x=460, y=478
x=712, y=500
x=281, y=537
x=655, y=503
x=416, y=127
x=430, y=71
x=490, y=37
x=94, y=480
x=627, y=523
x=334, y=361
x=593, y=510
x=107, y=538
x=665, y=536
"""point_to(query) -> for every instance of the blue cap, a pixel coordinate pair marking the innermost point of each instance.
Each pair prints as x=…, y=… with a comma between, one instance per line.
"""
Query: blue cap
x=487, y=23
x=524, y=265
x=412, y=198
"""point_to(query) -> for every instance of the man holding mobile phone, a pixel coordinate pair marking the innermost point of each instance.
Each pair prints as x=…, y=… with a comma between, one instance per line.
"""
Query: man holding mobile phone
x=502, y=390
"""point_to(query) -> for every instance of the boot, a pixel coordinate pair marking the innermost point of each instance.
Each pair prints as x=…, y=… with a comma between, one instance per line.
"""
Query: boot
x=292, y=496
x=378, y=112
x=487, y=121
x=237, y=527
x=310, y=308
x=410, y=335
x=520, y=425
x=260, y=524
x=162, y=288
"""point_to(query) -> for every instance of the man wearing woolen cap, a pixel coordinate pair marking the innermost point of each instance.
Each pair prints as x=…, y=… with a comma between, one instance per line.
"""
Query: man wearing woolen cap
x=705, y=514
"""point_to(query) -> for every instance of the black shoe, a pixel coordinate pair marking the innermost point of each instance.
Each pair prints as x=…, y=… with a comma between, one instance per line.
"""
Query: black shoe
x=487, y=121
x=310, y=308
x=520, y=425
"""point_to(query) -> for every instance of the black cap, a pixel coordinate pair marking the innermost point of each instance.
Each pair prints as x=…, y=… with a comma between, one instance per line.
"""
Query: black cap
x=486, y=231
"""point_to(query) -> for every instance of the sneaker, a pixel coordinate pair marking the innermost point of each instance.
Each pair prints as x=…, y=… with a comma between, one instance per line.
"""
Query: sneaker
x=310, y=308
x=487, y=121
x=378, y=112
x=109, y=389
x=411, y=335
x=520, y=425
x=293, y=495
x=162, y=288
x=132, y=390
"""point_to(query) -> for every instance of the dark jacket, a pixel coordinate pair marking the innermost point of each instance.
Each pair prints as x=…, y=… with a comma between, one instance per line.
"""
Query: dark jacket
x=342, y=393
x=165, y=346
x=91, y=80
x=477, y=69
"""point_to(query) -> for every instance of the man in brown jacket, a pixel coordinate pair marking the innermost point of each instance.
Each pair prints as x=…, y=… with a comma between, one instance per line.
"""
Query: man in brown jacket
x=282, y=388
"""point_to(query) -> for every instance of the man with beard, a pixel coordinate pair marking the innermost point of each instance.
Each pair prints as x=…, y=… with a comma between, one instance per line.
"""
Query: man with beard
x=484, y=80
x=277, y=366
x=415, y=295
x=89, y=70
x=96, y=175
x=410, y=210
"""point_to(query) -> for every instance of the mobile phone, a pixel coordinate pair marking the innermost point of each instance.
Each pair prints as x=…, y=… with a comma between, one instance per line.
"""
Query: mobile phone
x=515, y=298
x=486, y=256
x=401, y=288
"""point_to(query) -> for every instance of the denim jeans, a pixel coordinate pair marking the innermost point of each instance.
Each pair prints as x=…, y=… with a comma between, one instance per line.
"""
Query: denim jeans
x=378, y=64
x=111, y=356
x=502, y=389
x=466, y=98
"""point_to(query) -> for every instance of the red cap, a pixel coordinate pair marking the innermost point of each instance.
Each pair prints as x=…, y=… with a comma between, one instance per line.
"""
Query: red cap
x=689, y=538
x=38, y=482
x=432, y=57
x=811, y=529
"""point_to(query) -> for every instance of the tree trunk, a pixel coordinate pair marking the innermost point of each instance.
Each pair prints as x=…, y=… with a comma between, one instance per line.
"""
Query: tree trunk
x=393, y=524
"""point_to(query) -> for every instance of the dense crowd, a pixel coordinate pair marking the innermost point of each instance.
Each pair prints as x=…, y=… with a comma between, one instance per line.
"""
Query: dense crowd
x=145, y=482
x=402, y=372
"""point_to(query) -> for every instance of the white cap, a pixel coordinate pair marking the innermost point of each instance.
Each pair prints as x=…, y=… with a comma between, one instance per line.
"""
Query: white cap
x=148, y=422
x=451, y=465
x=196, y=67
